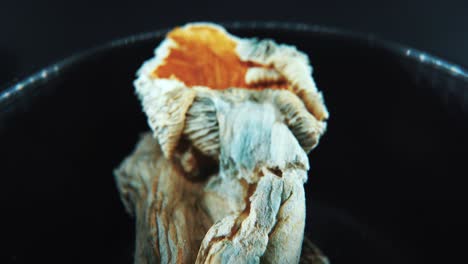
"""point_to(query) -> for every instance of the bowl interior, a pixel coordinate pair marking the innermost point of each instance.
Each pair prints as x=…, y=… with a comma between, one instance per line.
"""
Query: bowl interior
x=385, y=184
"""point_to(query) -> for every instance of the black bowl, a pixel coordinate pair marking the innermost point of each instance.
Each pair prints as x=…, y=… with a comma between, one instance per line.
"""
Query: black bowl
x=385, y=183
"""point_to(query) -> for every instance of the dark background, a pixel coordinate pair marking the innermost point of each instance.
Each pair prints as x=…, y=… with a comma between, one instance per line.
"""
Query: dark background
x=37, y=33
x=424, y=219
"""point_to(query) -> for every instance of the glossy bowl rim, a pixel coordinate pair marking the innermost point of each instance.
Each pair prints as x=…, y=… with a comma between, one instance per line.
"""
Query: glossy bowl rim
x=14, y=90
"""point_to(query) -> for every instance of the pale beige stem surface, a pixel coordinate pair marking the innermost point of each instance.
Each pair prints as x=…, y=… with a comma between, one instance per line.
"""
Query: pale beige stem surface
x=173, y=214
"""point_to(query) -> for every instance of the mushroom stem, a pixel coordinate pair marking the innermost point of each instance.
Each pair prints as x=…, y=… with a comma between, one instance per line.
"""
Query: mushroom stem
x=264, y=158
x=252, y=210
x=170, y=222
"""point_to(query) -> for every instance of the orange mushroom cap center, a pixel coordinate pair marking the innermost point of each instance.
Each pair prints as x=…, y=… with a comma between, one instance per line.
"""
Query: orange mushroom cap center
x=206, y=56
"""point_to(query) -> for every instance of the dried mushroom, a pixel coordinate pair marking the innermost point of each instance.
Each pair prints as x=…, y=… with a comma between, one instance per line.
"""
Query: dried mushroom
x=220, y=180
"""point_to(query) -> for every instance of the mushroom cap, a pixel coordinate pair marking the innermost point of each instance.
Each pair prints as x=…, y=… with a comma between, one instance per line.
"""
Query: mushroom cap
x=201, y=60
